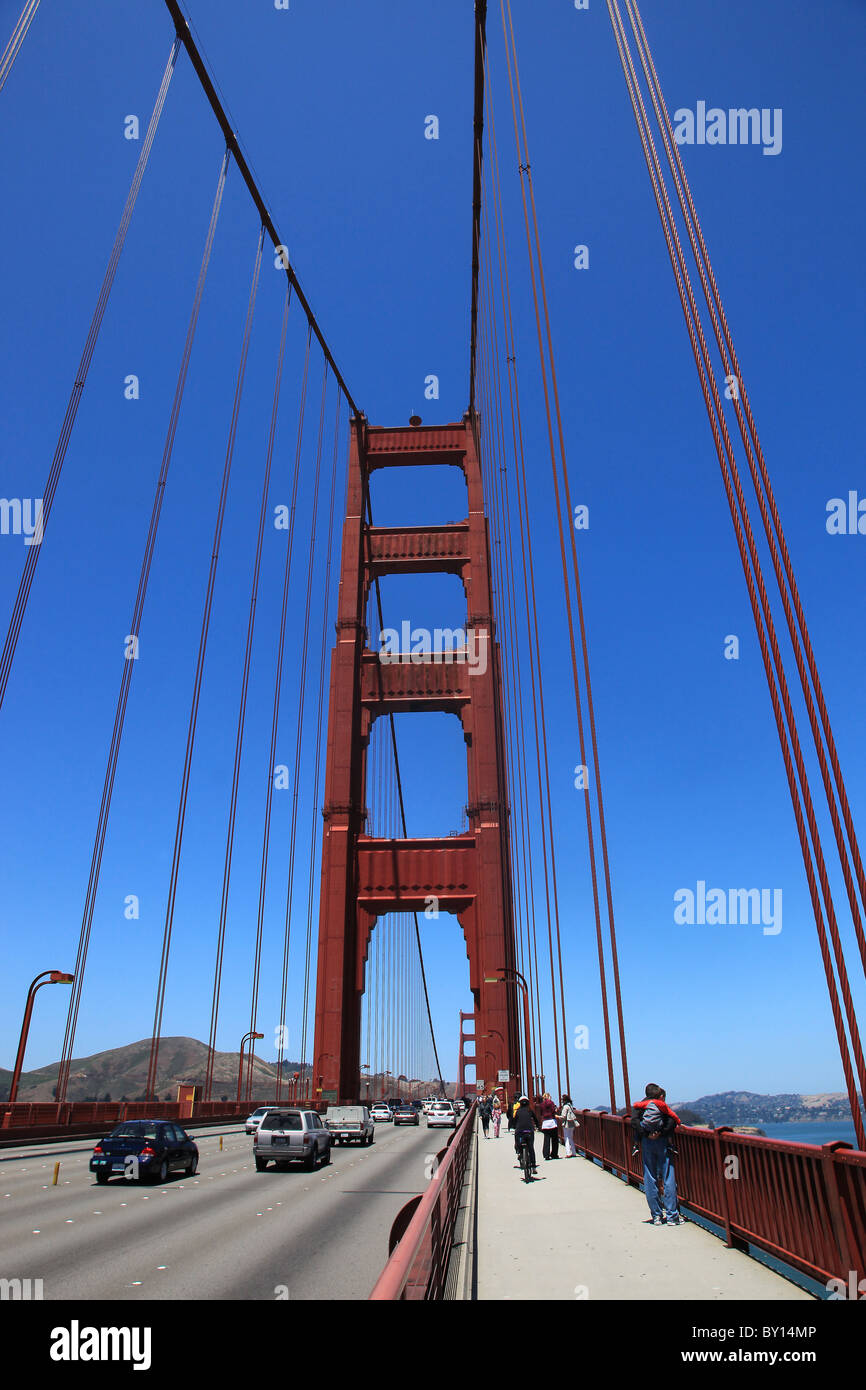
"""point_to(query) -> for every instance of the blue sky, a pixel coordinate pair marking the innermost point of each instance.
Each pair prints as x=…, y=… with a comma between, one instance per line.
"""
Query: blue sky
x=330, y=107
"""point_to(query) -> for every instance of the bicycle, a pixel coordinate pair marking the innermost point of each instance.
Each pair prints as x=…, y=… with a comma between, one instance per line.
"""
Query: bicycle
x=524, y=1155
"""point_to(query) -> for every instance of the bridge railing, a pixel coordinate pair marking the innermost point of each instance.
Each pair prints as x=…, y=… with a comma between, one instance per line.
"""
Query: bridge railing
x=418, y=1266
x=802, y=1203
x=32, y=1119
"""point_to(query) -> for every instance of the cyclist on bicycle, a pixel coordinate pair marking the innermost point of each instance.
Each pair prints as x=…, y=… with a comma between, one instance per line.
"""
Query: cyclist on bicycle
x=525, y=1125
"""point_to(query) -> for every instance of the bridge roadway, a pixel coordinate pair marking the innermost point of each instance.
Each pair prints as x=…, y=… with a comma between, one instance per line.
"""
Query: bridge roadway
x=227, y=1233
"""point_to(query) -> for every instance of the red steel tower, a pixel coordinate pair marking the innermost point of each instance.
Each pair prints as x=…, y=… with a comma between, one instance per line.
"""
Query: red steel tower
x=364, y=877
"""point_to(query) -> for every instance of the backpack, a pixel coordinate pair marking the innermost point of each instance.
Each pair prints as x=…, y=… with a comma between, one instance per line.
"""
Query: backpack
x=651, y=1121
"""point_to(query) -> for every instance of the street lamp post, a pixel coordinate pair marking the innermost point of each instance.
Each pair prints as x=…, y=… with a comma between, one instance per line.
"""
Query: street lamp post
x=247, y=1037
x=48, y=977
x=504, y=971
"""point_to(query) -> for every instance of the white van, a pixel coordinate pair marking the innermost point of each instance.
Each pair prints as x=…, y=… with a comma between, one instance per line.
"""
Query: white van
x=349, y=1124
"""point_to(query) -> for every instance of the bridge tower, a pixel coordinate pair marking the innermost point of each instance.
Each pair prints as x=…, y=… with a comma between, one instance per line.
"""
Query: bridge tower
x=364, y=877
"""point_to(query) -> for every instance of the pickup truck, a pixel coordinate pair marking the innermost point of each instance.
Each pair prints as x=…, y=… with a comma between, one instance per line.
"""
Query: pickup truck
x=290, y=1135
x=350, y=1124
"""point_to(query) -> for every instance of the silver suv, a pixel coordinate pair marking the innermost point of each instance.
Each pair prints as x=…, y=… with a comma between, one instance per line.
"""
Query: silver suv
x=288, y=1135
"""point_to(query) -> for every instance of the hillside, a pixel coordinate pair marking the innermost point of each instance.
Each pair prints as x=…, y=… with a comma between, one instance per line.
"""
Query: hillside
x=122, y=1072
x=749, y=1108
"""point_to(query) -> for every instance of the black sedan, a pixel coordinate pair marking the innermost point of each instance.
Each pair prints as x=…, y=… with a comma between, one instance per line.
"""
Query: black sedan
x=405, y=1115
x=144, y=1149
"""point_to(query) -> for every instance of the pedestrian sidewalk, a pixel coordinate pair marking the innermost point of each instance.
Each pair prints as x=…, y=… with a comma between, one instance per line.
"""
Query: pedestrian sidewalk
x=579, y=1232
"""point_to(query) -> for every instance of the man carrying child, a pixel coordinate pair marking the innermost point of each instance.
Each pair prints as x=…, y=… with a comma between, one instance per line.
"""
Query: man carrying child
x=653, y=1125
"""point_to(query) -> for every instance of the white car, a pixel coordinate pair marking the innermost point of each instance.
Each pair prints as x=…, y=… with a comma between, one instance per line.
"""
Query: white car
x=253, y=1121
x=442, y=1115
x=381, y=1113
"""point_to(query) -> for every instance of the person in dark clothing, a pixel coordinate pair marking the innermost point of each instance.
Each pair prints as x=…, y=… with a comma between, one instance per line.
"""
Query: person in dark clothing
x=485, y=1110
x=670, y=1135
x=549, y=1126
x=525, y=1124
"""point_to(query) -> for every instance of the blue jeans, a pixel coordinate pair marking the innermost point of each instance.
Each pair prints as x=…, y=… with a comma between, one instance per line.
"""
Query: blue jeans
x=658, y=1169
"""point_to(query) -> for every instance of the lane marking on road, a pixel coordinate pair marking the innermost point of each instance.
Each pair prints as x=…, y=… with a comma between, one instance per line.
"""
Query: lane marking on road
x=36, y=1233
x=70, y=1221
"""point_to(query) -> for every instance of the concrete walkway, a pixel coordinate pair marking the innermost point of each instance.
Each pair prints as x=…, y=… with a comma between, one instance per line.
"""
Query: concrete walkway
x=578, y=1232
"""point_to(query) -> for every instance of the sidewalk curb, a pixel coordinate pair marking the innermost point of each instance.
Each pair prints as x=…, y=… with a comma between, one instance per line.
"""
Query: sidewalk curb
x=463, y=1281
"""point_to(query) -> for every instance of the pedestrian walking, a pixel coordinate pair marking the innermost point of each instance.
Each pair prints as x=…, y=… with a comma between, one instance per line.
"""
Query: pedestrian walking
x=548, y=1126
x=485, y=1110
x=497, y=1116
x=570, y=1122
x=652, y=1123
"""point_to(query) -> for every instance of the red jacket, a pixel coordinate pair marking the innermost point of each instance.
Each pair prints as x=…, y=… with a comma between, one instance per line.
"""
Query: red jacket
x=671, y=1118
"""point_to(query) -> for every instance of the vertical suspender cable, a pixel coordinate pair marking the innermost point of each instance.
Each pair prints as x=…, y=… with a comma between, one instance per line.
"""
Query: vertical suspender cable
x=315, y=813
x=275, y=718
x=34, y=551
x=534, y=245
x=19, y=34
x=128, y=665
x=197, y=684
x=745, y=540
x=239, y=739
x=491, y=413
x=767, y=504
x=550, y=881
x=302, y=702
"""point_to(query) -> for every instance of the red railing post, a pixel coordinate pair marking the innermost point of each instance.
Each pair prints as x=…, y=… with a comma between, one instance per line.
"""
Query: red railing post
x=837, y=1215
x=724, y=1206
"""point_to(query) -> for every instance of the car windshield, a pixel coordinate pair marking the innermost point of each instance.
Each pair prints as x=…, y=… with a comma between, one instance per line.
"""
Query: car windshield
x=274, y=1120
x=134, y=1131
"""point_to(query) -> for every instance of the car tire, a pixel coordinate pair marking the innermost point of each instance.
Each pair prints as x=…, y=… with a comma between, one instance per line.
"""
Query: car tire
x=261, y=1164
x=102, y=1178
x=192, y=1168
x=309, y=1162
x=162, y=1175
x=327, y=1156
